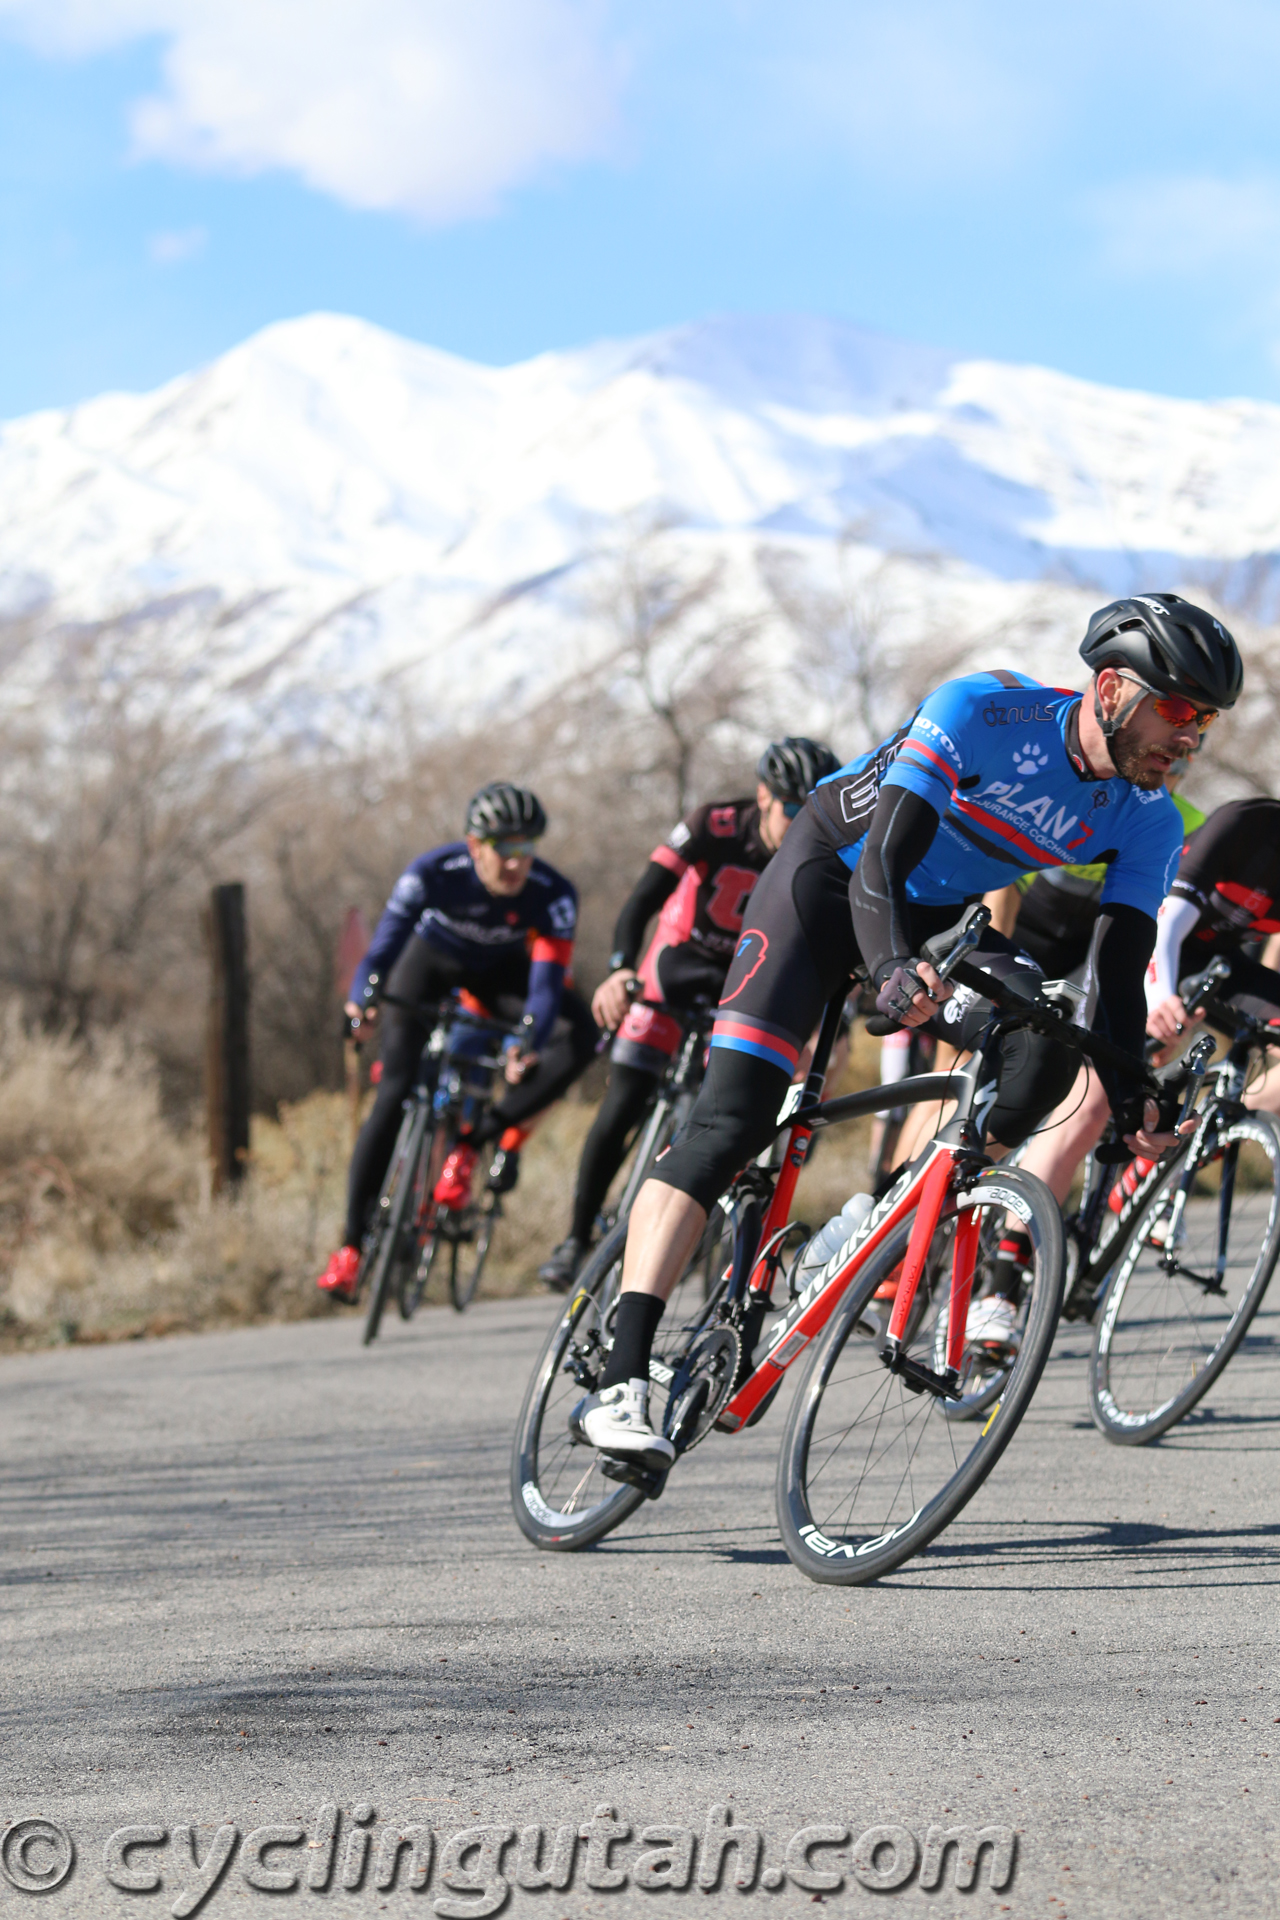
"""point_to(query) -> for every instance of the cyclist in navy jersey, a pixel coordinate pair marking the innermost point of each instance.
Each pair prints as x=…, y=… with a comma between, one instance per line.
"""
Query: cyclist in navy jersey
x=481, y=914
x=698, y=882
x=995, y=775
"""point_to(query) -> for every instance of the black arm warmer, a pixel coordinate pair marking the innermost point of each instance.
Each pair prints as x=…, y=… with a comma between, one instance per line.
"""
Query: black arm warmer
x=901, y=833
x=649, y=895
x=1125, y=940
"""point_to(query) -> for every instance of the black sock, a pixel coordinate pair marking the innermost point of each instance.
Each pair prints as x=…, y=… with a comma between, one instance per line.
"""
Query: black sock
x=1012, y=1255
x=634, y=1326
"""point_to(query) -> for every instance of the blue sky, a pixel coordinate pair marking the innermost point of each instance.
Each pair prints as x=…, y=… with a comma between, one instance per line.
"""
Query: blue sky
x=1095, y=188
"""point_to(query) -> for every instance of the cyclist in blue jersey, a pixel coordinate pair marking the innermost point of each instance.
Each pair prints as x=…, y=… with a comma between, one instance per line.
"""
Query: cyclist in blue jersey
x=994, y=775
x=485, y=915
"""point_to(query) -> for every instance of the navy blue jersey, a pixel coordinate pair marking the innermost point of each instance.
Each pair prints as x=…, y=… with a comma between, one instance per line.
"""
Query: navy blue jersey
x=990, y=753
x=440, y=898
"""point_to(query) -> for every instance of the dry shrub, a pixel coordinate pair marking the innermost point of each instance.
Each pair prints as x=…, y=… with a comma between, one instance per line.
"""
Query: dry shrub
x=108, y=1231
x=106, y=1226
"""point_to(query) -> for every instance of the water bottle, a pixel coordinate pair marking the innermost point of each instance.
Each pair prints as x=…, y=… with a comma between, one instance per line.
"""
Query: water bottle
x=1127, y=1185
x=828, y=1240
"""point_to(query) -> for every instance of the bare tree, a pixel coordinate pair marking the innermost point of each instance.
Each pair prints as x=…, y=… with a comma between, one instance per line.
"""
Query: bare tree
x=867, y=644
x=118, y=786
x=677, y=652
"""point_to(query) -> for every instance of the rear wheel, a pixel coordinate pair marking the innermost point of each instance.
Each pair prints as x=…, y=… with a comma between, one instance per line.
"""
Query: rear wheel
x=871, y=1471
x=562, y=1497
x=562, y=1500
x=1186, y=1289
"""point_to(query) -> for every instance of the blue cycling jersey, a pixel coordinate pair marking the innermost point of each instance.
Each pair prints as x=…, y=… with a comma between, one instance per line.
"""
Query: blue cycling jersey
x=991, y=753
x=441, y=899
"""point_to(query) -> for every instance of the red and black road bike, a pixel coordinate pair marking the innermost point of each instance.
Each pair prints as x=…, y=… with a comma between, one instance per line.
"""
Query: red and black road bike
x=871, y=1468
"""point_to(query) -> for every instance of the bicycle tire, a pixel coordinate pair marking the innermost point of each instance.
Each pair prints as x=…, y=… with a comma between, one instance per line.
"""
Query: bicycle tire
x=465, y=1275
x=561, y=1499
x=415, y=1276
x=860, y=1449
x=1158, y=1348
x=395, y=1203
x=545, y=1459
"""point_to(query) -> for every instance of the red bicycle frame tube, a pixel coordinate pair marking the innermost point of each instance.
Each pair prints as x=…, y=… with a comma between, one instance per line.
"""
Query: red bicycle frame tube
x=809, y=1314
x=779, y=1213
x=964, y=1255
x=934, y=1192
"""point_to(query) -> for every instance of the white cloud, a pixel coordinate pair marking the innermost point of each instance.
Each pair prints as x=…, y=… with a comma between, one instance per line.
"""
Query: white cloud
x=1187, y=223
x=430, y=107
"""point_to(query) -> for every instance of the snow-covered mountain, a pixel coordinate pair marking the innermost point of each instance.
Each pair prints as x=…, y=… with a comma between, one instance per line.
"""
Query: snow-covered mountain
x=382, y=507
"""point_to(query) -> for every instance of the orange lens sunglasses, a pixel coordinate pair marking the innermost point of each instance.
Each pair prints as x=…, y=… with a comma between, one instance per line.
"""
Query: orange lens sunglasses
x=1173, y=708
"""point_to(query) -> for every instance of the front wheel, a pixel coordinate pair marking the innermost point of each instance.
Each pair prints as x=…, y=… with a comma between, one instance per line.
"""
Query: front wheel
x=1182, y=1298
x=470, y=1253
x=399, y=1205
x=871, y=1471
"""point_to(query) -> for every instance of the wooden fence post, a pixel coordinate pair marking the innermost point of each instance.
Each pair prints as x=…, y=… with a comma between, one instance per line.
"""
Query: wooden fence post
x=227, y=1056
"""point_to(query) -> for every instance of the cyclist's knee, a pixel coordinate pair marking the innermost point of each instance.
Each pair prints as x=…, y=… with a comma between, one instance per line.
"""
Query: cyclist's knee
x=734, y=1119
x=1036, y=1075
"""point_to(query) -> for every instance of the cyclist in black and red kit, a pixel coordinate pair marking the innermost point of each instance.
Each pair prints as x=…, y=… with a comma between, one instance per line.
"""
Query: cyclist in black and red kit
x=1225, y=899
x=698, y=882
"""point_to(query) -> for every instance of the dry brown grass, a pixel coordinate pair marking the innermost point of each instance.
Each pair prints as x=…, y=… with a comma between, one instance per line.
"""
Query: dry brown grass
x=107, y=1229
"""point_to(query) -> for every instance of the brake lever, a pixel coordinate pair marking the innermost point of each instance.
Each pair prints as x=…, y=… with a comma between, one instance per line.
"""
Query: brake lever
x=966, y=940
x=1197, y=1066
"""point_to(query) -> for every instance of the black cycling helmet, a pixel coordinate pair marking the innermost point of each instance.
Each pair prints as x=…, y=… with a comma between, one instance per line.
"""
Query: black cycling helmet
x=1171, y=645
x=501, y=811
x=792, y=768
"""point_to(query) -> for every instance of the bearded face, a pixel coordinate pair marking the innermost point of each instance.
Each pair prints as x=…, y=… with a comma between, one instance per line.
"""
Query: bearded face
x=1131, y=757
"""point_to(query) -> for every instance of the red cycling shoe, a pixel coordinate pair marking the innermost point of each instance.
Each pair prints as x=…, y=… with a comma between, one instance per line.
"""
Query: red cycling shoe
x=453, y=1188
x=340, y=1276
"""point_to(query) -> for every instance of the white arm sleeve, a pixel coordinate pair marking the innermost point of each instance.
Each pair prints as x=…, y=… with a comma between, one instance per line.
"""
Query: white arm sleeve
x=1173, y=923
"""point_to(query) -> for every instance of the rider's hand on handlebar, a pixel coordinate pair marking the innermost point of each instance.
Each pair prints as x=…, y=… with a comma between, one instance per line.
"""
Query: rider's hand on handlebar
x=1169, y=1019
x=923, y=1004
x=363, y=1016
x=517, y=1064
x=610, y=1000
x=1150, y=1144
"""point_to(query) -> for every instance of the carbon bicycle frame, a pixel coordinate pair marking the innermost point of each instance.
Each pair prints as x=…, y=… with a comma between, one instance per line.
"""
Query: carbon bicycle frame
x=923, y=1187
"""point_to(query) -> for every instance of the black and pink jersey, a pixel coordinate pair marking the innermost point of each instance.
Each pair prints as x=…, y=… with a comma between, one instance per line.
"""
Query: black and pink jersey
x=1231, y=872
x=717, y=856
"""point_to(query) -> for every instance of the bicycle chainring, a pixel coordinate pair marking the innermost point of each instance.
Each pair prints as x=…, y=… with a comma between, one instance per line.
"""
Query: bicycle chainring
x=700, y=1386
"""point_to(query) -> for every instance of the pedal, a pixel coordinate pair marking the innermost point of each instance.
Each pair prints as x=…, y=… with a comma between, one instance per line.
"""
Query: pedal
x=918, y=1379
x=650, y=1480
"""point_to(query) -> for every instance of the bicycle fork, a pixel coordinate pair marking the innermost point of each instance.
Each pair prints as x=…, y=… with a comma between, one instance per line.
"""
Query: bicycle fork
x=916, y=1377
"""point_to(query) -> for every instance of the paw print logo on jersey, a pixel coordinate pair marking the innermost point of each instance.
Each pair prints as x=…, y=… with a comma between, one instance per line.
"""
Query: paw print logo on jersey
x=1029, y=758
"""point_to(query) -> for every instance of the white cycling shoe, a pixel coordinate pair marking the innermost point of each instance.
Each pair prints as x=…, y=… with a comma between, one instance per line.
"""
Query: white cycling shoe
x=617, y=1421
x=993, y=1322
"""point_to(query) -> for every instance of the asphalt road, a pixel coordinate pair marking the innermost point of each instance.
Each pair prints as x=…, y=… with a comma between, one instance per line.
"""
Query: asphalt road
x=250, y=1575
